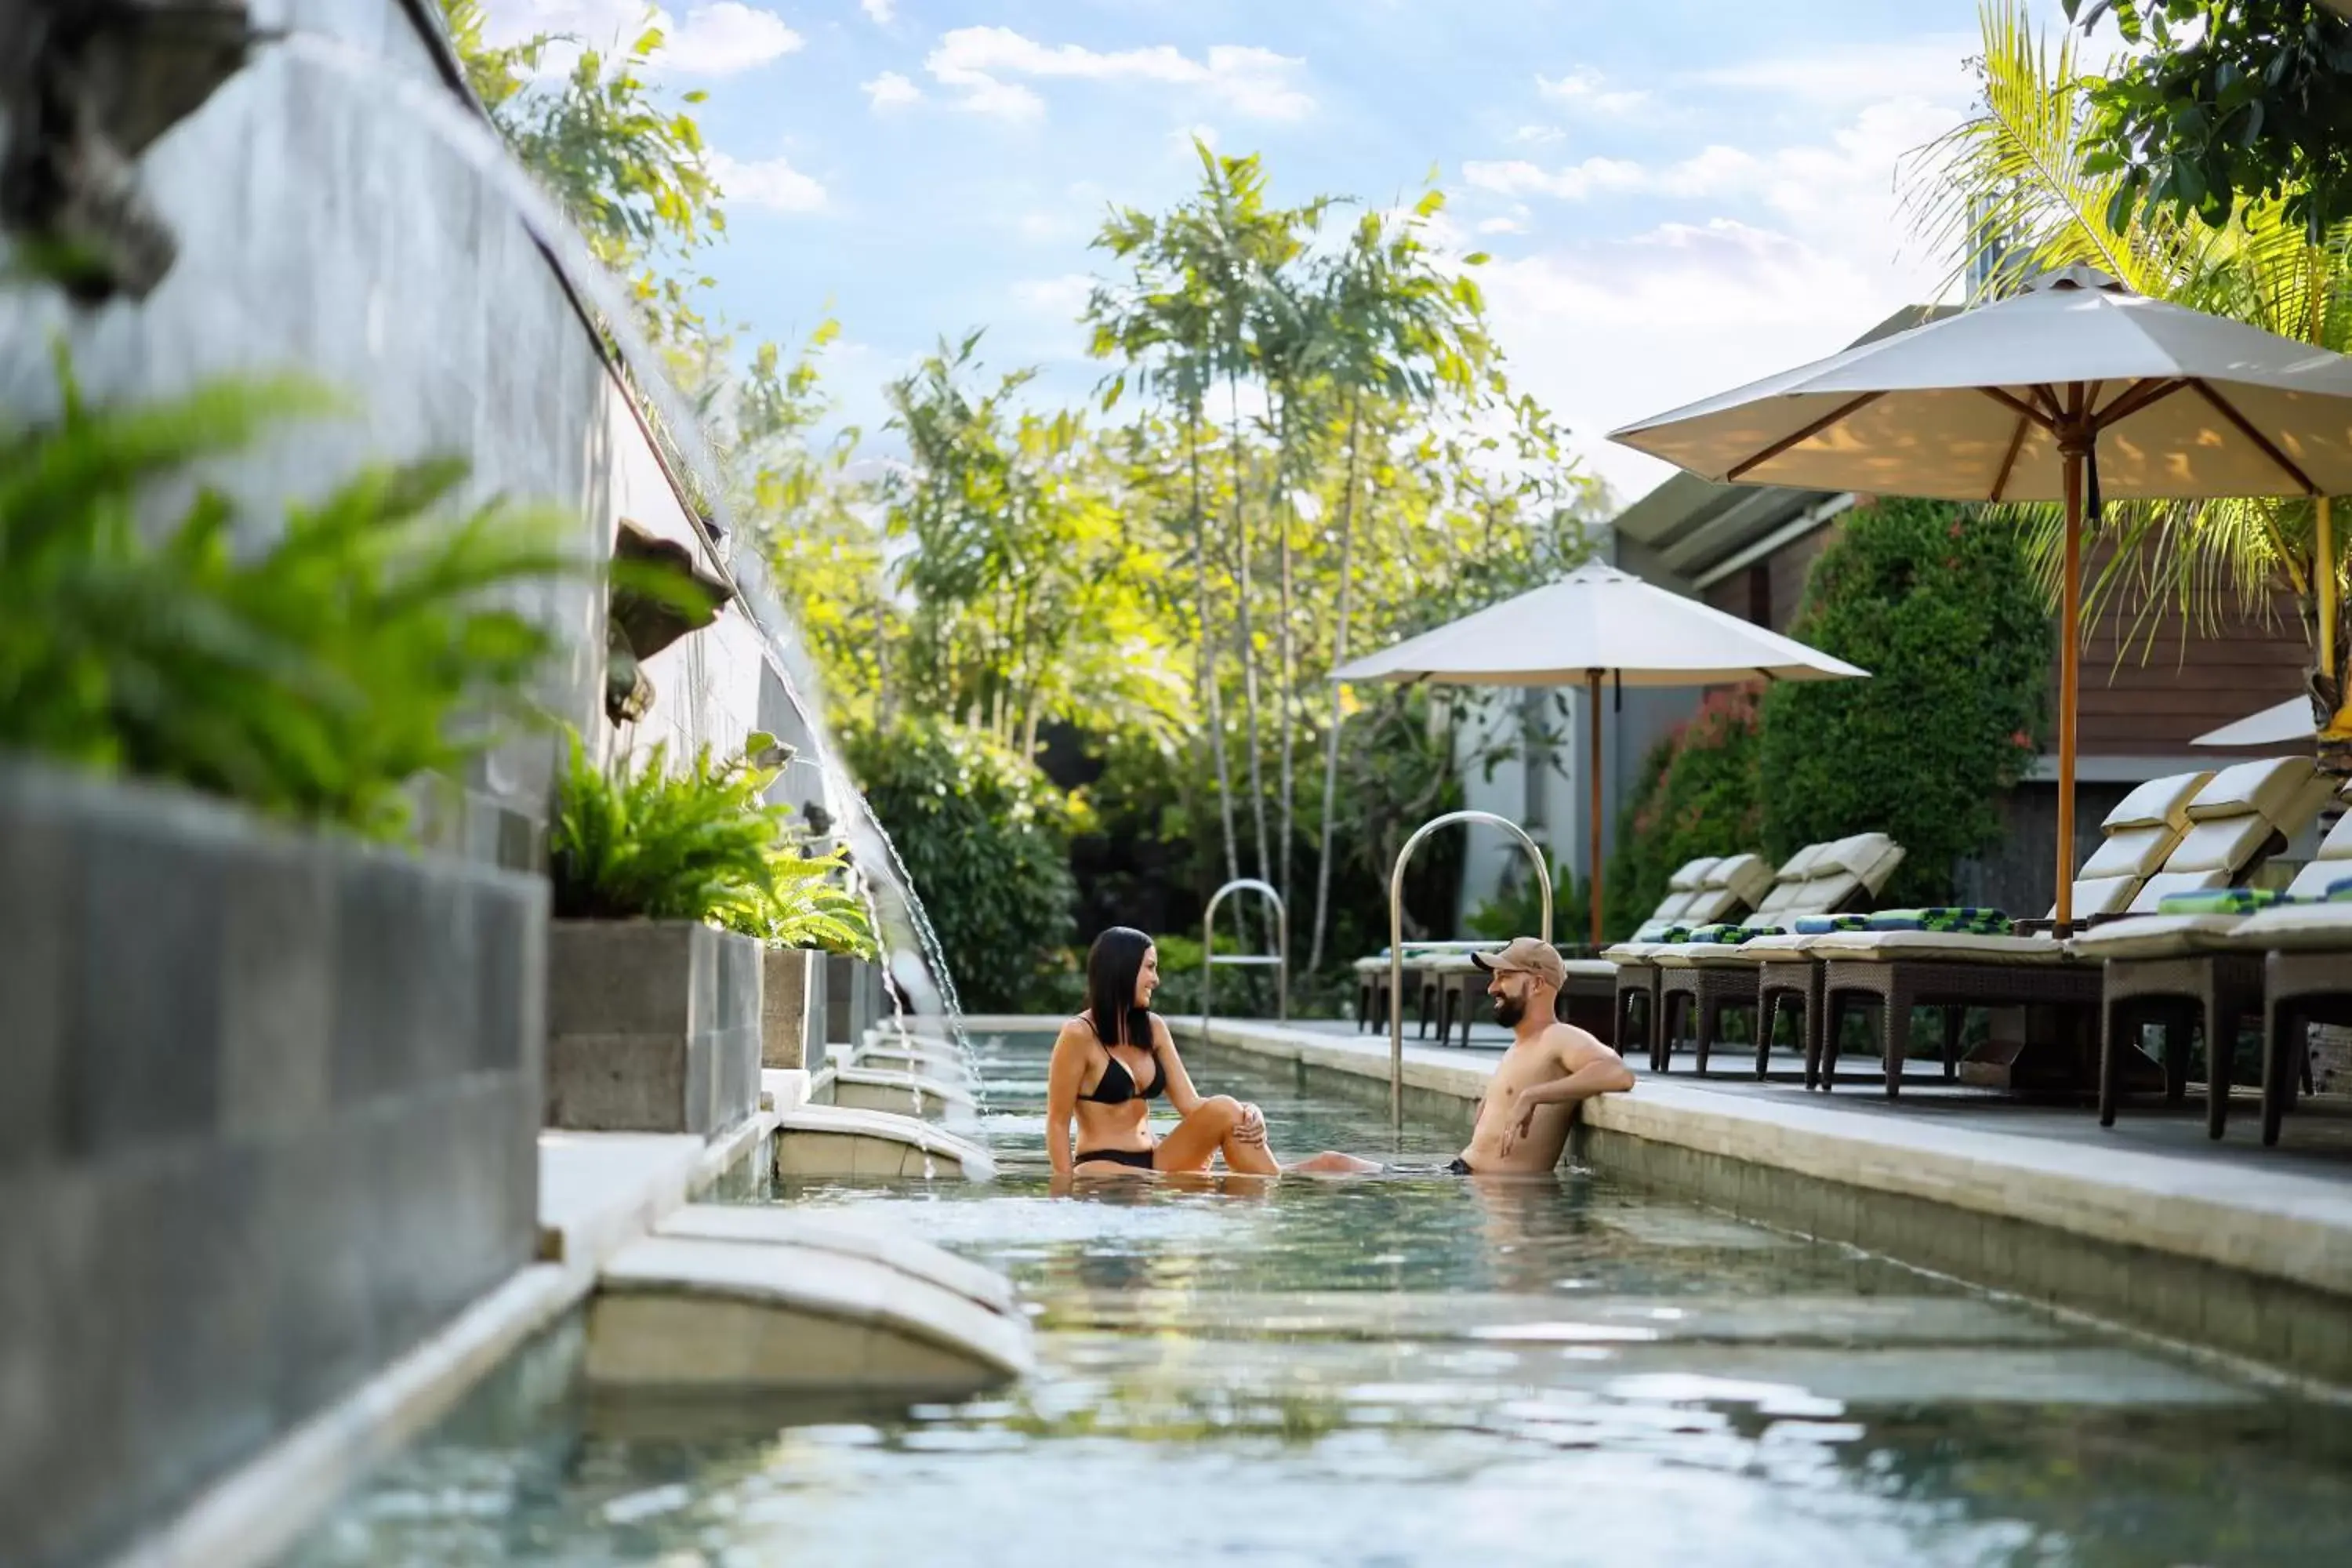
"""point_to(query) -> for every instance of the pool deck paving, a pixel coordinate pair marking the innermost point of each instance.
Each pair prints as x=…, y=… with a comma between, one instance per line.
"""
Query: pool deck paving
x=2029, y=1195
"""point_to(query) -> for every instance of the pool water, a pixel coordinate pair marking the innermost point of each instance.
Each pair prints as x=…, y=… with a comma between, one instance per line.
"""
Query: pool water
x=1400, y=1370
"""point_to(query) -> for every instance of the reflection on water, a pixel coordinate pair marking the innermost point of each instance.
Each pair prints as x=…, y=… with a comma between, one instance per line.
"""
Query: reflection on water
x=1400, y=1370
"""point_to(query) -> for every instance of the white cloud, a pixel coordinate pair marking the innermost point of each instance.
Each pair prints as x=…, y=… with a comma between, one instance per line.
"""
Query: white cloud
x=772, y=183
x=1517, y=177
x=717, y=38
x=1503, y=225
x=882, y=12
x=1060, y=298
x=1934, y=66
x=1583, y=88
x=1823, y=180
x=981, y=63
x=1538, y=136
x=891, y=90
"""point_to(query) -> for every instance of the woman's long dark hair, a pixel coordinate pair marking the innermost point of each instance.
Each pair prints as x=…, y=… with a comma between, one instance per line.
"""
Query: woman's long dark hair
x=1112, y=965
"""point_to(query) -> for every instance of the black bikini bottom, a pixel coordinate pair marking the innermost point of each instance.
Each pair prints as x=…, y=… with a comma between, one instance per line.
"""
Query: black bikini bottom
x=1460, y=1167
x=1140, y=1159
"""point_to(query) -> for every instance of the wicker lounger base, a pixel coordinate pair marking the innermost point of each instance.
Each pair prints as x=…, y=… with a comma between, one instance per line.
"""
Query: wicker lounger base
x=2299, y=989
x=1898, y=985
x=1698, y=993
x=1781, y=986
x=2219, y=991
x=1637, y=992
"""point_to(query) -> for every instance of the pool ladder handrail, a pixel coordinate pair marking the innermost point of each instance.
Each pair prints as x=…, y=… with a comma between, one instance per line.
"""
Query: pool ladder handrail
x=1279, y=958
x=1396, y=933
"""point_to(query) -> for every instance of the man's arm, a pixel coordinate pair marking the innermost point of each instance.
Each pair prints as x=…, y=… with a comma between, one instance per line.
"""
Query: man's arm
x=1587, y=1069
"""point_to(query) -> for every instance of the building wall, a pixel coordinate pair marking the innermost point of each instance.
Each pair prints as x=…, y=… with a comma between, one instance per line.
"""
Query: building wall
x=343, y=213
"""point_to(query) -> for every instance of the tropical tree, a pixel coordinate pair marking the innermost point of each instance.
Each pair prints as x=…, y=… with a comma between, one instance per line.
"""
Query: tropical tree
x=1398, y=332
x=2028, y=182
x=2229, y=101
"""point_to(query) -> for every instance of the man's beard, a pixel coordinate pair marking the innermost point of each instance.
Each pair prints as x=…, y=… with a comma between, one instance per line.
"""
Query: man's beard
x=1509, y=1010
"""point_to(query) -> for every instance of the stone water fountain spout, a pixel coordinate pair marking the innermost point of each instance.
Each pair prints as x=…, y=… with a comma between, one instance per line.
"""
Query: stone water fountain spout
x=86, y=86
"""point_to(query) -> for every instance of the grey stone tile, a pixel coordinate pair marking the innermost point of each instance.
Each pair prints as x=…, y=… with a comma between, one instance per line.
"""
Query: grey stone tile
x=147, y=969
x=40, y=904
x=277, y=937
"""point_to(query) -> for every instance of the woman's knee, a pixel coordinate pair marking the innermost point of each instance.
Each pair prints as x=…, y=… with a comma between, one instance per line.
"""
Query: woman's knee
x=1221, y=1109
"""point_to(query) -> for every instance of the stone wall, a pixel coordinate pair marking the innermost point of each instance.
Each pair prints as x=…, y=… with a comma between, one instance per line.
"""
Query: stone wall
x=268, y=1117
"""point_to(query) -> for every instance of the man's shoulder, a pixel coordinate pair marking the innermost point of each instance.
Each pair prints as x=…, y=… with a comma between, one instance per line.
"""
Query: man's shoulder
x=1576, y=1047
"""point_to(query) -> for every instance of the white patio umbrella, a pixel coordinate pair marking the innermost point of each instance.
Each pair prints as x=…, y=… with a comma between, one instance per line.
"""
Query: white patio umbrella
x=2074, y=384
x=1597, y=622
x=2290, y=720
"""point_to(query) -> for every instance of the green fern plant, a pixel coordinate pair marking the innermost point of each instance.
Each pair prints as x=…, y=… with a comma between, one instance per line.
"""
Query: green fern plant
x=313, y=679
x=643, y=841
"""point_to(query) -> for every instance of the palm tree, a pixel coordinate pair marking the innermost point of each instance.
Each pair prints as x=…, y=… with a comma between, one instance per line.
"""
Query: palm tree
x=1232, y=245
x=1398, y=332
x=2017, y=189
x=1162, y=325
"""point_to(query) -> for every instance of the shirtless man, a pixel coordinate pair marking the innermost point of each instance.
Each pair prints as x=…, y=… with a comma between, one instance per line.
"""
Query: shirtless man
x=1523, y=1120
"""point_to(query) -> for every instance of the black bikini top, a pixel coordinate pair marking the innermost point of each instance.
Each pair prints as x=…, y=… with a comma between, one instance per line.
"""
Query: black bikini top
x=1119, y=1090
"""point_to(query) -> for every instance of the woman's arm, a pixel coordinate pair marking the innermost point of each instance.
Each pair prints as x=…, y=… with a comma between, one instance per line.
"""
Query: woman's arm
x=1182, y=1094
x=1067, y=1070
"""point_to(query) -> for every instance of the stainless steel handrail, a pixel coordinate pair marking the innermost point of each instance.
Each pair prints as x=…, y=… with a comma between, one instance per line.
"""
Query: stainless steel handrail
x=1396, y=933
x=1280, y=957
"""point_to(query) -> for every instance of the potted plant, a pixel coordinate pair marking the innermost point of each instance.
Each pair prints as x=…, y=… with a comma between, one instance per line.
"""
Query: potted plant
x=810, y=914
x=669, y=887
x=243, y=1020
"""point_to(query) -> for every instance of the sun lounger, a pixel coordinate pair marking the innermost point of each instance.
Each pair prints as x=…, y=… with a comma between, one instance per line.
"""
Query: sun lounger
x=1701, y=892
x=2205, y=961
x=1699, y=978
x=2234, y=820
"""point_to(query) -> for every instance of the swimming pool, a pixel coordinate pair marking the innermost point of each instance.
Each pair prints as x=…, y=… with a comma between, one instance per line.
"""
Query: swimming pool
x=1399, y=1371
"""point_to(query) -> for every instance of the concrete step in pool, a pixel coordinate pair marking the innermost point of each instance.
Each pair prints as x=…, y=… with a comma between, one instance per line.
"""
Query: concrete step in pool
x=747, y=1301
x=830, y=1142
x=881, y=1088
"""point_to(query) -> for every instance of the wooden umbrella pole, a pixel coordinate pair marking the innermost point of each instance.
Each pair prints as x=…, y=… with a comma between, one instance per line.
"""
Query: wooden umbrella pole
x=2323, y=564
x=1592, y=828
x=2069, y=680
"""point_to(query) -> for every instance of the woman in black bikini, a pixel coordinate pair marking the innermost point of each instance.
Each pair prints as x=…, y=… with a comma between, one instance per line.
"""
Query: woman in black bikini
x=1116, y=1056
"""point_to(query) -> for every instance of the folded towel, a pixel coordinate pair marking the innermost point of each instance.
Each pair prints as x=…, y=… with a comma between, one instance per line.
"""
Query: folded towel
x=2340, y=892
x=1728, y=933
x=2219, y=902
x=1822, y=925
x=1964, y=920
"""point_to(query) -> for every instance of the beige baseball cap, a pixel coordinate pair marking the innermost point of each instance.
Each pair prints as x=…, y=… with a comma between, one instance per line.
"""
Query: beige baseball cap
x=1525, y=955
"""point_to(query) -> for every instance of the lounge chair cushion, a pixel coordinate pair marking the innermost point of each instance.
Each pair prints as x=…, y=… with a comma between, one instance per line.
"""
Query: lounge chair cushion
x=1780, y=947
x=1858, y=855
x=1784, y=896
x=1826, y=895
x=1650, y=930
x=1692, y=873
x=1966, y=947
x=1711, y=906
x=2267, y=788
x=2225, y=844
x=2132, y=852
x=2161, y=936
x=1630, y=953
x=2153, y=892
x=2330, y=866
x=2104, y=896
x=1745, y=877
x=1800, y=866
x=2158, y=803
x=2297, y=928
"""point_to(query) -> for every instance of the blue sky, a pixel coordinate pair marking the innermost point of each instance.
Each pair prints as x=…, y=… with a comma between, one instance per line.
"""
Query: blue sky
x=1677, y=195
